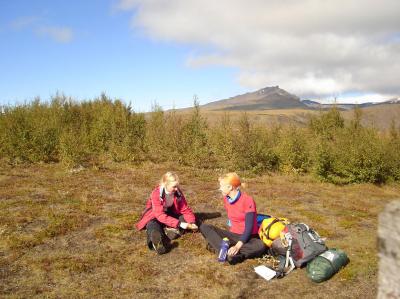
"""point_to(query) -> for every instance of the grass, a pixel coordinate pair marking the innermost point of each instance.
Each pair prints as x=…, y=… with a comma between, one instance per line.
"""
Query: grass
x=264, y=117
x=378, y=116
x=70, y=234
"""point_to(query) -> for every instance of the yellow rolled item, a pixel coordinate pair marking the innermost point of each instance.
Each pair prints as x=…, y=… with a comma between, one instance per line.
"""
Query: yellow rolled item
x=274, y=231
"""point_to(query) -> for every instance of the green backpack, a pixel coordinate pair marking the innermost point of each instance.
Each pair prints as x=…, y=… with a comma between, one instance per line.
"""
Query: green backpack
x=326, y=265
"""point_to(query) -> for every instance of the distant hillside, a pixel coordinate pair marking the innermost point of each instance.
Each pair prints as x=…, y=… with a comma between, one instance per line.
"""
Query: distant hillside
x=380, y=115
x=316, y=105
x=263, y=99
x=273, y=105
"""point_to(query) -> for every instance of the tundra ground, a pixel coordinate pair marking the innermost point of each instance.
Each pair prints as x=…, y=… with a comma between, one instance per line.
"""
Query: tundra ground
x=70, y=234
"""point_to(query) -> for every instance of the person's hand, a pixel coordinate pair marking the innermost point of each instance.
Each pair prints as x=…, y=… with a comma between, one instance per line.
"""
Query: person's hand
x=235, y=249
x=184, y=225
x=192, y=226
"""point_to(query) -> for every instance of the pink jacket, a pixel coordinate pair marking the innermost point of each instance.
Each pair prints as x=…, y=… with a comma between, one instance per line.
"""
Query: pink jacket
x=155, y=209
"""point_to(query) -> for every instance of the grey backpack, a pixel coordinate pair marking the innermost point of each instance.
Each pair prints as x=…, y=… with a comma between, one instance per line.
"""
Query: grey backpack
x=306, y=244
x=299, y=246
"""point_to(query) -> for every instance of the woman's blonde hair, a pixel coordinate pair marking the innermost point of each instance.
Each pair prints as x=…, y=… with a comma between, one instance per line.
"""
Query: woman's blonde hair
x=169, y=177
x=231, y=179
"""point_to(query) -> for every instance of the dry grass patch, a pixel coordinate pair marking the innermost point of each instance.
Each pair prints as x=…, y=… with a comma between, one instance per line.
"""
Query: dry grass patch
x=70, y=234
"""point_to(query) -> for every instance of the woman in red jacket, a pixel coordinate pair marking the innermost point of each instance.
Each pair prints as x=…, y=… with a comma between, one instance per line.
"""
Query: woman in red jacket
x=244, y=241
x=166, y=209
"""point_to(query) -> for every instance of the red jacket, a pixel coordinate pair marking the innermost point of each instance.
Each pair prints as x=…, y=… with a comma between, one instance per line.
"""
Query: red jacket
x=155, y=209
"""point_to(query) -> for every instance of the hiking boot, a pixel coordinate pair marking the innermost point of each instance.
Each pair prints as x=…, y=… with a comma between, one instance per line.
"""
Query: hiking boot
x=158, y=243
x=172, y=233
x=210, y=248
x=235, y=259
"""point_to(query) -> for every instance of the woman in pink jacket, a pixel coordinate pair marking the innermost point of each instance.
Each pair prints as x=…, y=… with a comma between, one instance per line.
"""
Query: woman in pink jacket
x=166, y=214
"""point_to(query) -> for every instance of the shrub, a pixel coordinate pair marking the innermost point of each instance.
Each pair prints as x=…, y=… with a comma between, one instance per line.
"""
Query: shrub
x=393, y=151
x=71, y=132
x=103, y=129
x=361, y=156
x=29, y=133
x=222, y=142
x=156, y=139
x=353, y=154
x=323, y=164
x=254, y=148
x=241, y=145
x=194, y=148
x=293, y=150
x=327, y=123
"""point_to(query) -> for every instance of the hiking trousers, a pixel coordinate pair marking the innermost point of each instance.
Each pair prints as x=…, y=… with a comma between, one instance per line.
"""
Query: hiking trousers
x=214, y=235
x=156, y=225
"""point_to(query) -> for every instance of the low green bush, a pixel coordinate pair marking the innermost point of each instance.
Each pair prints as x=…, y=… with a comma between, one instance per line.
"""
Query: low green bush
x=75, y=133
x=69, y=132
x=294, y=150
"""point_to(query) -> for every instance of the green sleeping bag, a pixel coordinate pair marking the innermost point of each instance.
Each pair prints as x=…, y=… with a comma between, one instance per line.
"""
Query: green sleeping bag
x=326, y=265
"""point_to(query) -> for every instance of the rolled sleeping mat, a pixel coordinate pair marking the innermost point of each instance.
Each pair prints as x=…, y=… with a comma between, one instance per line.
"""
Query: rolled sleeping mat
x=325, y=265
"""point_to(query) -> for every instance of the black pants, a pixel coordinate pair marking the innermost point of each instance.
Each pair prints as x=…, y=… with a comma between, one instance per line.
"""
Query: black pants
x=155, y=225
x=214, y=235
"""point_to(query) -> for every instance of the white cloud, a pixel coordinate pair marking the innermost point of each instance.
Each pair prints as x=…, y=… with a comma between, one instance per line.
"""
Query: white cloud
x=58, y=34
x=308, y=47
x=125, y=4
x=24, y=22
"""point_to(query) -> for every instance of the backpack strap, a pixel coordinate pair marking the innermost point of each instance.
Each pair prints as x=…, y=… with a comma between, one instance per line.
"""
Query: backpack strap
x=162, y=193
x=270, y=225
x=178, y=194
x=289, y=259
x=286, y=264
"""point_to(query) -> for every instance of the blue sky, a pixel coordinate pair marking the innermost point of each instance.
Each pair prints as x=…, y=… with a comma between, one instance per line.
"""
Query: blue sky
x=103, y=54
x=167, y=51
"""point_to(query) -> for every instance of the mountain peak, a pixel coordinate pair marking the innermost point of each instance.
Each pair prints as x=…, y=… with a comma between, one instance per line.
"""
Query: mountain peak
x=266, y=98
x=268, y=89
x=273, y=90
